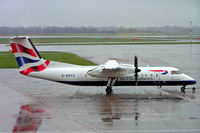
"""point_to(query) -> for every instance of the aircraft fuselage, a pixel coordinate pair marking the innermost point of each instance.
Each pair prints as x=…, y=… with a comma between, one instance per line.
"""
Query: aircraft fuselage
x=149, y=76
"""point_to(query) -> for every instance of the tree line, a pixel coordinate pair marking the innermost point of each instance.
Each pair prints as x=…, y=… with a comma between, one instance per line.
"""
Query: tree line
x=90, y=30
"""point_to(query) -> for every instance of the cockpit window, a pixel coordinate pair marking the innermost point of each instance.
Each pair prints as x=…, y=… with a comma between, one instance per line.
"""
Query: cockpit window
x=176, y=72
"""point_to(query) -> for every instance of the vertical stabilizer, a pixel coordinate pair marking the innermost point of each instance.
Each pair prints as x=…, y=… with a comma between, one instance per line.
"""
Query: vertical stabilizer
x=27, y=56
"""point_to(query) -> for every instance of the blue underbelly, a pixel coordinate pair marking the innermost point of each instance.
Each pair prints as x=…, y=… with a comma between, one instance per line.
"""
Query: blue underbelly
x=130, y=83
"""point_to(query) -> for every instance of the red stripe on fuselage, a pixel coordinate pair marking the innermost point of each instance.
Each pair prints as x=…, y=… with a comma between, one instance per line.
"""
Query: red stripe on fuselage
x=156, y=70
x=22, y=49
x=35, y=68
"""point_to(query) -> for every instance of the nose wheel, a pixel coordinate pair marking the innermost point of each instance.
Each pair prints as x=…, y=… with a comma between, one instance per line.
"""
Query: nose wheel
x=193, y=89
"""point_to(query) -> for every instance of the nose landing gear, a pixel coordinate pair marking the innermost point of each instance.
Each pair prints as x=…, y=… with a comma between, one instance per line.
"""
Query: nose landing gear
x=193, y=89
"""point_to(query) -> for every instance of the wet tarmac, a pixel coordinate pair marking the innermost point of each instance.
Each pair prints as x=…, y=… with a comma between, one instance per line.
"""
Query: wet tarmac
x=29, y=104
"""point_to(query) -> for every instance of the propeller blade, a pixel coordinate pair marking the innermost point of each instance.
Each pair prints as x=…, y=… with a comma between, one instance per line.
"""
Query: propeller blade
x=136, y=79
x=136, y=70
x=136, y=61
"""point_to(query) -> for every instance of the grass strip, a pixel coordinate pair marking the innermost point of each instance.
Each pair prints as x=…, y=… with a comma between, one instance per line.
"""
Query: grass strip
x=141, y=43
x=77, y=39
x=8, y=60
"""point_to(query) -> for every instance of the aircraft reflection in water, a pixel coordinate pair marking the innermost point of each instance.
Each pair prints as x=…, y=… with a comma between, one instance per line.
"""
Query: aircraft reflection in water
x=29, y=118
x=112, y=109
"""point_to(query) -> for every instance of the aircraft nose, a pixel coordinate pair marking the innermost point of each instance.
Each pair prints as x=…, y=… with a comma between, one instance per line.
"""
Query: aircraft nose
x=193, y=81
x=190, y=80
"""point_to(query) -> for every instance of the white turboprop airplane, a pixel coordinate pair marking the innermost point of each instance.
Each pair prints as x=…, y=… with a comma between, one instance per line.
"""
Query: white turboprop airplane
x=109, y=74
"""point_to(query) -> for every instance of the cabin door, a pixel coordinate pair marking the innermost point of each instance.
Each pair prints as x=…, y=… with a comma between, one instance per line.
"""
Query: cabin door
x=156, y=78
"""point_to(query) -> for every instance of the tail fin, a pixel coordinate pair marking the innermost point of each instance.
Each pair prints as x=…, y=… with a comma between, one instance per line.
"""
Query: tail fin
x=27, y=56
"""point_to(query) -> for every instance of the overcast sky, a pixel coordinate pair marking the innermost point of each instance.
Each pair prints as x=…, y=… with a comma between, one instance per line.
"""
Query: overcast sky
x=128, y=13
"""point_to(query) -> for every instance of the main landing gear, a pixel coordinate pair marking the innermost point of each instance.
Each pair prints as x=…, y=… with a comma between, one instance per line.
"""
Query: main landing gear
x=110, y=84
x=183, y=89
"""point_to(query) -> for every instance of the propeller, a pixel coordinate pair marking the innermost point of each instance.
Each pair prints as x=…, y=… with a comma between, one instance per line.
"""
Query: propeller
x=137, y=70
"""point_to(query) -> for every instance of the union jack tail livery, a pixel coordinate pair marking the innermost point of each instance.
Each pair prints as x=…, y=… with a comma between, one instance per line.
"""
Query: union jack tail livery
x=27, y=56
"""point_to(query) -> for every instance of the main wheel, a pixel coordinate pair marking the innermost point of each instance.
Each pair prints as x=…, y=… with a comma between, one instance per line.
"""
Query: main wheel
x=108, y=90
x=182, y=89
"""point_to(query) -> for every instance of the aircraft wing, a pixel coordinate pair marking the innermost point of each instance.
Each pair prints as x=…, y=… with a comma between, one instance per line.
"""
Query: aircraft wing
x=111, y=65
x=112, y=69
